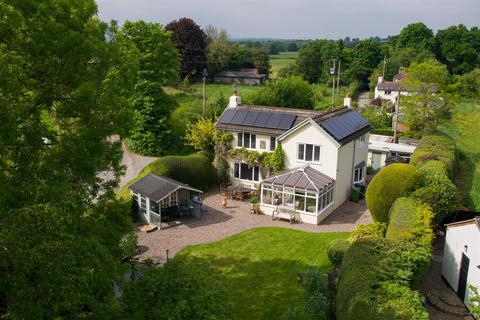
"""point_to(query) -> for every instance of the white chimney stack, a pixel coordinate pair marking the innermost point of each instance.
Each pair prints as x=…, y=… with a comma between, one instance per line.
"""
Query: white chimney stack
x=380, y=79
x=347, y=101
x=234, y=101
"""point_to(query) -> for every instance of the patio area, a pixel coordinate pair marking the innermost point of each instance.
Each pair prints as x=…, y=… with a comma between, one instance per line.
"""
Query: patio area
x=218, y=223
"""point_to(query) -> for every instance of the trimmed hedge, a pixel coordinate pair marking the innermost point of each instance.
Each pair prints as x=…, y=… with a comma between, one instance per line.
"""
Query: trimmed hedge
x=337, y=250
x=368, y=269
x=195, y=170
x=436, y=190
x=438, y=147
x=368, y=231
x=410, y=220
x=394, y=181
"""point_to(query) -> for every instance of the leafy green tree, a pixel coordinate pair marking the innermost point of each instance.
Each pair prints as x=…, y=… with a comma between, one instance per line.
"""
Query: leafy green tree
x=417, y=36
x=64, y=91
x=470, y=84
x=362, y=60
x=458, y=48
x=292, y=92
x=219, y=50
x=430, y=102
x=187, y=293
x=191, y=42
x=261, y=60
x=201, y=135
x=313, y=60
x=159, y=66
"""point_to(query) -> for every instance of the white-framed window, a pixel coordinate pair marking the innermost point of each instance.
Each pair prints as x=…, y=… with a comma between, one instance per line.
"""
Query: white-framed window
x=245, y=171
x=273, y=143
x=388, y=92
x=143, y=202
x=361, y=141
x=246, y=140
x=308, y=152
x=358, y=174
x=325, y=198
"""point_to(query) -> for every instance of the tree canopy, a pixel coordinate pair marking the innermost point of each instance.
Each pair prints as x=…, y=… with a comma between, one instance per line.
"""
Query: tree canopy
x=64, y=90
x=191, y=42
x=292, y=92
x=417, y=36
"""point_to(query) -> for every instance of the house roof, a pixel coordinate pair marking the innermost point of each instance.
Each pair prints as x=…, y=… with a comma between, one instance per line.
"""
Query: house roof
x=400, y=75
x=262, y=119
x=156, y=187
x=240, y=73
x=343, y=124
x=475, y=220
x=390, y=86
x=303, y=178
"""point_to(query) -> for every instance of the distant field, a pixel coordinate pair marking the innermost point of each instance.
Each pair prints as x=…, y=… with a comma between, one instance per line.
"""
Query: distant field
x=464, y=128
x=281, y=60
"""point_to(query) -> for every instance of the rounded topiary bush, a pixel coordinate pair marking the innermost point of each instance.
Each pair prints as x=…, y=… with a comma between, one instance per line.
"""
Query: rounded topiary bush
x=410, y=220
x=392, y=182
x=337, y=250
x=368, y=231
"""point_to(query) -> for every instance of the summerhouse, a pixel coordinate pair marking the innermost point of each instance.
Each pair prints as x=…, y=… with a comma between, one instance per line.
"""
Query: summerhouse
x=158, y=199
x=303, y=192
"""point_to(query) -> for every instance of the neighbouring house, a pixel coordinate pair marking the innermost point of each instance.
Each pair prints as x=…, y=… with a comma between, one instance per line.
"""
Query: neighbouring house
x=158, y=199
x=461, y=257
x=382, y=151
x=240, y=76
x=390, y=90
x=325, y=155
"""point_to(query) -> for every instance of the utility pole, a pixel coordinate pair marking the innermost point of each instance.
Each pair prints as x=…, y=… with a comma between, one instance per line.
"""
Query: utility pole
x=397, y=108
x=384, y=65
x=338, y=79
x=204, y=73
x=332, y=72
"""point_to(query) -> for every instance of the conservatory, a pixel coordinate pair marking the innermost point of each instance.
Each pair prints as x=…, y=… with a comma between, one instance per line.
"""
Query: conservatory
x=305, y=191
x=158, y=199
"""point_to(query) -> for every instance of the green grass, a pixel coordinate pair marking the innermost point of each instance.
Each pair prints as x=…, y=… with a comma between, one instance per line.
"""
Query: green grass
x=464, y=127
x=259, y=268
x=280, y=61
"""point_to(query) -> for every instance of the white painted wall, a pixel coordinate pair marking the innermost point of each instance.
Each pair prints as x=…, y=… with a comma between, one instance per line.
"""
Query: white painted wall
x=392, y=96
x=257, y=141
x=312, y=135
x=456, y=239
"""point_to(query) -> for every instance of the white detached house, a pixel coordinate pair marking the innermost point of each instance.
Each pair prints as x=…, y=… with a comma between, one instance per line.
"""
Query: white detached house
x=325, y=154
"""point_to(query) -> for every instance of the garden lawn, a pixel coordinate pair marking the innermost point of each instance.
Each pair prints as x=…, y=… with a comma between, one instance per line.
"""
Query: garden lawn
x=464, y=127
x=259, y=268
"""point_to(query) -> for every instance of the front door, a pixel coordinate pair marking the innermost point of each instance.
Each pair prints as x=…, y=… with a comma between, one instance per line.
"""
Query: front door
x=462, y=279
x=376, y=160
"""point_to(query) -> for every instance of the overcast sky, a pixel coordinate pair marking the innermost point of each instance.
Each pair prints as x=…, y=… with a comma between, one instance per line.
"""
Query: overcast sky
x=299, y=19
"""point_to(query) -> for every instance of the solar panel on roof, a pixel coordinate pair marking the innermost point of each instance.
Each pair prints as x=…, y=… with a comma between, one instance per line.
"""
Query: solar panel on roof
x=274, y=120
x=228, y=115
x=250, y=118
x=262, y=119
x=344, y=125
x=287, y=121
x=239, y=117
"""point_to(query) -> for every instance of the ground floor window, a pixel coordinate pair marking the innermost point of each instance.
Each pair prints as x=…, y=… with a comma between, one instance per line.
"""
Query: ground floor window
x=301, y=200
x=358, y=174
x=245, y=171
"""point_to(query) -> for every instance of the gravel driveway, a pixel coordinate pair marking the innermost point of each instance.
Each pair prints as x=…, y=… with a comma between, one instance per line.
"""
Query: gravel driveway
x=217, y=224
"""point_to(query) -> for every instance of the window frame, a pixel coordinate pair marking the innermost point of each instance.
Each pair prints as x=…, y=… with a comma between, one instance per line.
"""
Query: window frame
x=274, y=144
x=237, y=174
x=242, y=143
x=315, y=148
x=361, y=175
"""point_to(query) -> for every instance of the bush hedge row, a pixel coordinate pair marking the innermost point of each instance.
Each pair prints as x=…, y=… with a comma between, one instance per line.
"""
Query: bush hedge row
x=375, y=278
x=195, y=170
x=336, y=251
x=394, y=181
x=410, y=220
x=438, y=147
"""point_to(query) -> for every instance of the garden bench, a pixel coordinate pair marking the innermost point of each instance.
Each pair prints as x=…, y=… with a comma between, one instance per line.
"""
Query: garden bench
x=284, y=212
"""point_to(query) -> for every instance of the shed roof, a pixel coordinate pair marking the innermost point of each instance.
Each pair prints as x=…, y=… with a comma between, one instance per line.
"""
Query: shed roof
x=156, y=187
x=303, y=178
x=475, y=221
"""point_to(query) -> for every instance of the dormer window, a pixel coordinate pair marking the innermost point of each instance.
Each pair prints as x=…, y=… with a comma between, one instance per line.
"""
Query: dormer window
x=246, y=140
